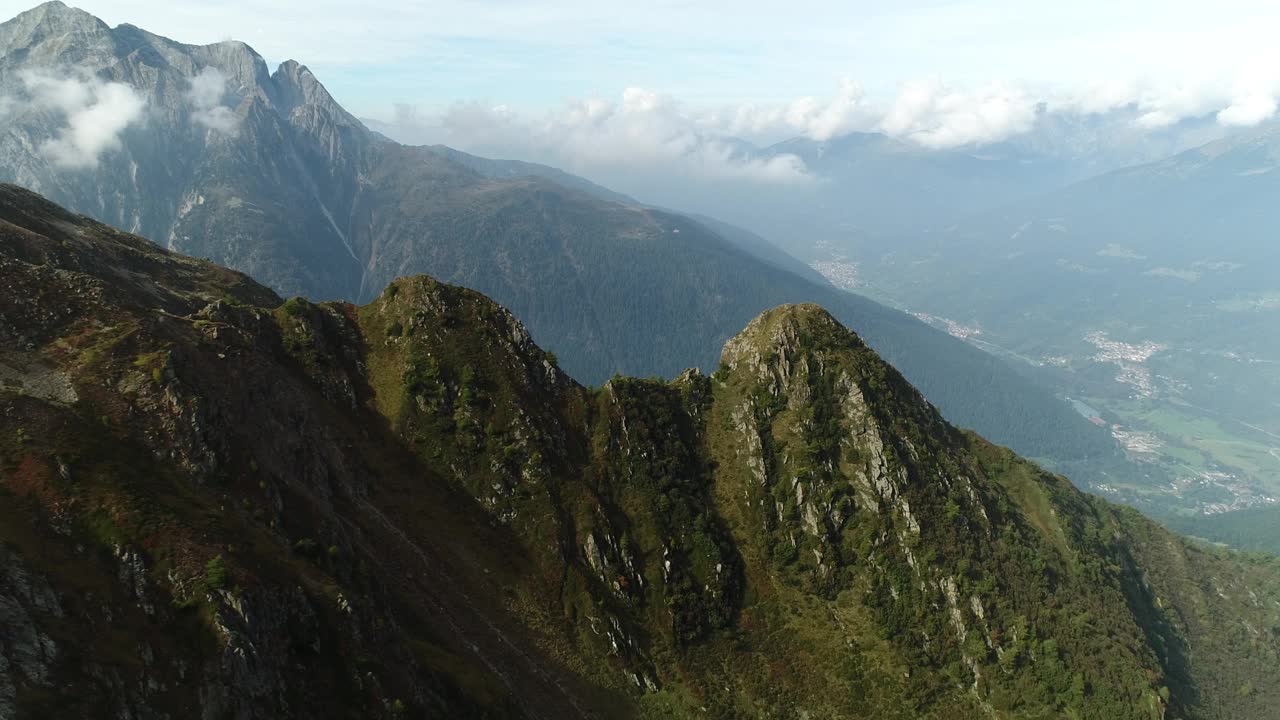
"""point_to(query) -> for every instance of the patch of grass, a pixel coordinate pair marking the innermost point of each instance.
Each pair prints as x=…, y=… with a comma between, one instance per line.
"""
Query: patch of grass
x=1023, y=483
x=102, y=343
x=215, y=573
x=152, y=363
x=295, y=306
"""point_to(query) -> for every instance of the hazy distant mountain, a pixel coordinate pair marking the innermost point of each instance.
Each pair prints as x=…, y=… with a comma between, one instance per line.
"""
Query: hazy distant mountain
x=265, y=173
x=1184, y=250
x=742, y=238
x=873, y=193
x=861, y=190
x=516, y=169
x=1098, y=142
x=1150, y=289
x=1167, y=207
x=867, y=191
x=873, y=186
x=761, y=248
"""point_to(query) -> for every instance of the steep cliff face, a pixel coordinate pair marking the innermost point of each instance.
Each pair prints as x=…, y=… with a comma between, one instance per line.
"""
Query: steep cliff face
x=215, y=134
x=214, y=502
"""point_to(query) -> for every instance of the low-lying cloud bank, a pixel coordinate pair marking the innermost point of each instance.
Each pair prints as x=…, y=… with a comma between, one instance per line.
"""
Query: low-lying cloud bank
x=645, y=131
x=642, y=131
x=205, y=95
x=88, y=115
x=94, y=114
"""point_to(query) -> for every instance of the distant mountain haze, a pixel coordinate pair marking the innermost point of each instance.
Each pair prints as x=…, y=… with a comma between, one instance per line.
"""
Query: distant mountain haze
x=818, y=187
x=1151, y=291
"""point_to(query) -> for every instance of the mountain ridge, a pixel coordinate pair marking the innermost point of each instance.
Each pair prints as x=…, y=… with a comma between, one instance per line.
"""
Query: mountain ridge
x=406, y=508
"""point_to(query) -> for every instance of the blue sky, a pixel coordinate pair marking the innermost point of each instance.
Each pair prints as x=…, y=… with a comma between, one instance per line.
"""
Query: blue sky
x=535, y=55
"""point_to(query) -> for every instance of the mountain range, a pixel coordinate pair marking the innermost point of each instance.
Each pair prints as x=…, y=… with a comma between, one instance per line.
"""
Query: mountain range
x=1125, y=267
x=1147, y=292
x=265, y=173
x=217, y=503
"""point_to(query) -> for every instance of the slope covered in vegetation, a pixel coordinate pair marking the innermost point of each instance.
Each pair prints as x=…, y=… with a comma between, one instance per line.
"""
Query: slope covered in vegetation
x=213, y=499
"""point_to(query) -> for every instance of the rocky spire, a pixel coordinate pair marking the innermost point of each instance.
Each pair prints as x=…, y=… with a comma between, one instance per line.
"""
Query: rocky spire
x=298, y=86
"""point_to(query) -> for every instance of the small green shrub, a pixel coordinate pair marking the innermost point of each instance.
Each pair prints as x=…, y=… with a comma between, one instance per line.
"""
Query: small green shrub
x=215, y=573
x=295, y=306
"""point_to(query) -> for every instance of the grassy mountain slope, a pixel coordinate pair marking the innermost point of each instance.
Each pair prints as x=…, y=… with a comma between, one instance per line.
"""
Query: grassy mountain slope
x=215, y=499
x=744, y=239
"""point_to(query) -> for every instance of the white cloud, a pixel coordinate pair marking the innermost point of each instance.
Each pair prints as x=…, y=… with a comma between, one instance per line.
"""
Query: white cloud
x=642, y=136
x=644, y=132
x=1156, y=119
x=649, y=132
x=1251, y=98
x=96, y=113
x=64, y=93
x=1168, y=104
x=933, y=115
x=205, y=96
x=1255, y=93
x=1248, y=111
x=807, y=116
x=1099, y=96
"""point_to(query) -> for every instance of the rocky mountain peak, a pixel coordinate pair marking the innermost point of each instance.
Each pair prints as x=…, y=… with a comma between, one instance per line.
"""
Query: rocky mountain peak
x=56, y=11
x=45, y=22
x=777, y=332
x=299, y=87
x=784, y=346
